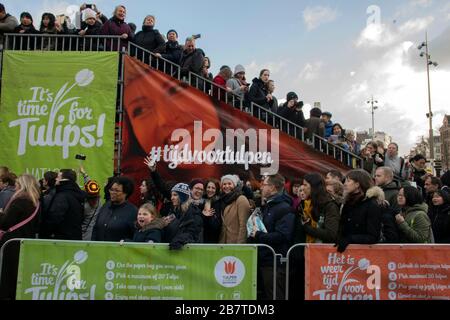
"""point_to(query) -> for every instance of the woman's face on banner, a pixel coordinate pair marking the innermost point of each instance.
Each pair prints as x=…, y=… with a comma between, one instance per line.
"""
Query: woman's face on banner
x=157, y=106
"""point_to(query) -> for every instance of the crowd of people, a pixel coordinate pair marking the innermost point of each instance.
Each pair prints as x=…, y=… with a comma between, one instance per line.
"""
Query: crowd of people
x=273, y=210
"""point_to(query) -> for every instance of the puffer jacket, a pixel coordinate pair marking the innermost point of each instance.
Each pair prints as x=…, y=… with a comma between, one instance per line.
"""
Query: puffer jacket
x=417, y=225
x=150, y=233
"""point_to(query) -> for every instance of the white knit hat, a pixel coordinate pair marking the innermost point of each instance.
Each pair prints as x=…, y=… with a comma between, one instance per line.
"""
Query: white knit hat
x=239, y=68
x=89, y=13
x=231, y=177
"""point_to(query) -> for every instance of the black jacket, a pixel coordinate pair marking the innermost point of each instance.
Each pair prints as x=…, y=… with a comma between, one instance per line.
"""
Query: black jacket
x=187, y=228
x=390, y=193
x=361, y=222
x=150, y=233
x=20, y=209
x=440, y=222
x=292, y=114
x=115, y=222
x=62, y=220
x=258, y=93
x=93, y=30
x=149, y=38
x=171, y=51
x=279, y=220
x=192, y=62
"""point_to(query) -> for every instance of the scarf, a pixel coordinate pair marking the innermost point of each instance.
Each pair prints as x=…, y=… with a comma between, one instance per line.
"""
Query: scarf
x=307, y=211
x=227, y=199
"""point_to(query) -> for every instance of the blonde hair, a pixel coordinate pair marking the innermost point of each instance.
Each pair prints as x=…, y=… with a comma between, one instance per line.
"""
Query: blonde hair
x=28, y=185
x=151, y=209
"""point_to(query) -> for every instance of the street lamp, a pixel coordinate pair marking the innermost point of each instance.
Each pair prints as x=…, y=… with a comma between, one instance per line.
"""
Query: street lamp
x=430, y=113
x=372, y=103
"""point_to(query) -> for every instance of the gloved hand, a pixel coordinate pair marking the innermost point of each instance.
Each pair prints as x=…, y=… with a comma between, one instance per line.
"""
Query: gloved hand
x=176, y=245
x=342, y=244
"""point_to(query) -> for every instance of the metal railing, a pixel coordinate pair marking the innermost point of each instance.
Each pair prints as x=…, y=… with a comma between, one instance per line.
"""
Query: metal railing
x=57, y=42
x=47, y=42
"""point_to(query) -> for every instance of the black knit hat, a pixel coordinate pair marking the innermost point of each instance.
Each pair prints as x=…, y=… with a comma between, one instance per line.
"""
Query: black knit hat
x=291, y=96
x=26, y=15
x=172, y=30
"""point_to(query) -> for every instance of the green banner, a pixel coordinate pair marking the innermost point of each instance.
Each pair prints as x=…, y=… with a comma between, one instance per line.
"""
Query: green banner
x=56, y=105
x=50, y=270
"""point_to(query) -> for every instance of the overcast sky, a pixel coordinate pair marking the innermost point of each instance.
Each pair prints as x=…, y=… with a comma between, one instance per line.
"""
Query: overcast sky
x=337, y=52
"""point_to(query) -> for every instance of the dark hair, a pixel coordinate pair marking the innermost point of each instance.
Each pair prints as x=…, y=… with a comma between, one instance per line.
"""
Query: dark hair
x=419, y=157
x=315, y=112
x=26, y=15
x=444, y=194
x=216, y=183
x=51, y=23
x=8, y=178
x=373, y=144
x=69, y=174
x=2, y=8
x=126, y=183
x=412, y=196
x=363, y=178
x=435, y=181
x=319, y=195
x=395, y=144
x=108, y=186
x=50, y=177
x=262, y=72
x=278, y=181
x=295, y=182
x=336, y=174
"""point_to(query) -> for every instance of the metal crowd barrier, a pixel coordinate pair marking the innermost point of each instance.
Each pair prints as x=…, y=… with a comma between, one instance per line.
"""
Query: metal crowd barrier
x=14, y=244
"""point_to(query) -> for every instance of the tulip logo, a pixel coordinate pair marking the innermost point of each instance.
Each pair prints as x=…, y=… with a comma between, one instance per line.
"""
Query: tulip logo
x=229, y=272
x=230, y=267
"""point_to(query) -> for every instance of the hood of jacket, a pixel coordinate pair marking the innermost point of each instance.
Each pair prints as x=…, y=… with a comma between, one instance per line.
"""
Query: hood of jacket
x=393, y=185
x=156, y=224
x=418, y=207
x=258, y=82
x=375, y=193
x=279, y=198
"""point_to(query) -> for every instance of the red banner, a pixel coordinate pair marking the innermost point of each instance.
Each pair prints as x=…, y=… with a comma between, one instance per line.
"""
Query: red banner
x=390, y=272
x=157, y=106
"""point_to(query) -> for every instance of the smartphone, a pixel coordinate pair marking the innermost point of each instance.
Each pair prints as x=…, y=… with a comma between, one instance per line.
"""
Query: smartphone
x=89, y=6
x=81, y=157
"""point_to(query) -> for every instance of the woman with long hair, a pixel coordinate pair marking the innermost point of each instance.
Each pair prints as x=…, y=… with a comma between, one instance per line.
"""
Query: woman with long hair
x=439, y=214
x=23, y=205
x=361, y=214
x=413, y=220
x=212, y=221
x=321, y=219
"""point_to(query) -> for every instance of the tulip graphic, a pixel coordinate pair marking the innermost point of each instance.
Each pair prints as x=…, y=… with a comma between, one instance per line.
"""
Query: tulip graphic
x=363, y=264
x=80, y=257
x=84, y=77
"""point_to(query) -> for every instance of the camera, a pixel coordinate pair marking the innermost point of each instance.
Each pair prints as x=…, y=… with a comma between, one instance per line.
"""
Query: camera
x=196, y=36
x=81, y=157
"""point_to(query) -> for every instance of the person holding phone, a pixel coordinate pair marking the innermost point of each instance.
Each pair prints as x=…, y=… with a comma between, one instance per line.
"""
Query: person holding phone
x=92, y=26
x=238, y=83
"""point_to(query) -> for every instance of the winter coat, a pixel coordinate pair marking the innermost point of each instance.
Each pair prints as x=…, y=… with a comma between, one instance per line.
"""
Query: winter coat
x=62, y=220
x=258, y=93
x=150, y=233
x=440, y=219
x=235, y=86
x=292, y=114
x=327, y=224
x=361, y=220
x=171, y=51
x=187, y=228
x=212, y=226
x=191, y=62
x=116, y=27
x=328, y=129
x=93, y=30
x=7, y=25
x=149, y=38
x=417, y=225
x=279, y=220
x=19, y=209
x=115, y=222
x=234, y=221
x=5, y=195
x=314, y=126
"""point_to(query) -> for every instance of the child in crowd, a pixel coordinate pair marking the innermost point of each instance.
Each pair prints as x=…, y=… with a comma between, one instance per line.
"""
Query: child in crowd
x=149, y=225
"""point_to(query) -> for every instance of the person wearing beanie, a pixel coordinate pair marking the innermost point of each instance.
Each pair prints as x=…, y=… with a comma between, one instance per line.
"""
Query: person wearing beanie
x=314, y=125
x=171, y=50
x=91, y=208
x=238, y=84
x=234, y=208
x=184, y=225
x=26, y=24
x=292, y=111
x=197, y=190
x=149, y=38
x=91, y=25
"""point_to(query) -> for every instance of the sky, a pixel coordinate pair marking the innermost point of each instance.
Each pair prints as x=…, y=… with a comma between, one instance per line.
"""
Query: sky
x=339, y=53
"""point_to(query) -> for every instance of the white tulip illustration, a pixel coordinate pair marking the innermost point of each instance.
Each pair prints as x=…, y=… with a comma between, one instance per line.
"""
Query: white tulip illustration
x=84, y=77
x=363, y=264
x=80, y=257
